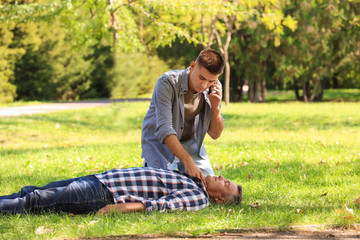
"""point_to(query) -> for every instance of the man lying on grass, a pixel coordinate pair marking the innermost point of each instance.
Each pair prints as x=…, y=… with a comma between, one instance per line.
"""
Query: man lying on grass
x=124, y=190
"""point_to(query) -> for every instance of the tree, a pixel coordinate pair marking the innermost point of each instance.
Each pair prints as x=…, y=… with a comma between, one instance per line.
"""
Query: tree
x=56, y=61
x=206, y=22
x=252, y=53
x=8, y=58
x=318, y=44
x=258, y=39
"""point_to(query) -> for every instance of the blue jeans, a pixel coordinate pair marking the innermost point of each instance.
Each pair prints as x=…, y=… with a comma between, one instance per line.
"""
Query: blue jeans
x=78, y=195
x=202, y=162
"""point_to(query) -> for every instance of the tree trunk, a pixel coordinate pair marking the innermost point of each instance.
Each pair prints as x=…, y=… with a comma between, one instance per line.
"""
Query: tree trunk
x=236, y=87
x=319, y=96
x=227, y=78
x=305, y=96
x=224, y=49
x=315, y=90
x=315, y=94
x=263, y=89
x=114, y=28
x=113, y=24
x=296, y=87
x=251, y=91
x=255, y=91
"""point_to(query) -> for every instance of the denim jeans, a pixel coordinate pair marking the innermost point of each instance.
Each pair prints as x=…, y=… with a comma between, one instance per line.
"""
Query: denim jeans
x=78, y=195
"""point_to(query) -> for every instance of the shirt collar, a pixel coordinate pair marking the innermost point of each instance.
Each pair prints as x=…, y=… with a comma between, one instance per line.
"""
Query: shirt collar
x=184, y=86
x=196, y=180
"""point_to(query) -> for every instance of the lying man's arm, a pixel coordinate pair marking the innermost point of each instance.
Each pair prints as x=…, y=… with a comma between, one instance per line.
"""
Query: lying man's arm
x=122, y=208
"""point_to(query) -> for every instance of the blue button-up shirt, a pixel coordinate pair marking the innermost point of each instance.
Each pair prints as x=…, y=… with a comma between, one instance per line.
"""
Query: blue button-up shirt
x=157, y=189
x=165, y=117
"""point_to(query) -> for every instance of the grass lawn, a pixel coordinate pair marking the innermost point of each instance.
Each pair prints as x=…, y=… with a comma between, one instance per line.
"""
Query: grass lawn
x=299, y=164
x=334, y=95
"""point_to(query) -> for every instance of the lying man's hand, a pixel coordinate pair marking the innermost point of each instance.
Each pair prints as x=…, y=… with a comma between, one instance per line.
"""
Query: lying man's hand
x=122, y=208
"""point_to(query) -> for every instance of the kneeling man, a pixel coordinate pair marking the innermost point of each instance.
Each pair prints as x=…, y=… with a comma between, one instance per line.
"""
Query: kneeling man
x=124, y=190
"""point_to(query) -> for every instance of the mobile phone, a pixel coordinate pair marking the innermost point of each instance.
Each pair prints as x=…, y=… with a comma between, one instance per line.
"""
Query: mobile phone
x=209, y=91
x=210, y=88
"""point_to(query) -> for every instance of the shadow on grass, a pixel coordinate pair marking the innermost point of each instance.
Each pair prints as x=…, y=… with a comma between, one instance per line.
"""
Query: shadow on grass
x=21, y=151
x=113, y=121
x=293, y=173
x=44, y=166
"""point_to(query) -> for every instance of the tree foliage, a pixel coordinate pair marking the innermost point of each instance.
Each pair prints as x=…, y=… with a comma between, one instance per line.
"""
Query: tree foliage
x=8, y=58
x=323, y=40
x=72, y=49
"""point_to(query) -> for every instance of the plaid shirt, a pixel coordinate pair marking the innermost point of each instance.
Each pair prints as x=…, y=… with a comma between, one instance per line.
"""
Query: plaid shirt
x=157, y=189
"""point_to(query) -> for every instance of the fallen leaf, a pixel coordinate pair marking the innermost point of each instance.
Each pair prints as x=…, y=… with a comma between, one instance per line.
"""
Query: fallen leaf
x=349, y=217
x=244, y=164
x=324, y=194
x=322, y=162
x=254, y=205
x=274, y=170
x=303, y=167
x=347, y=213
x=298, y=210
x=338, y=211
x=215, y=167
x=42, y=230
x=349, y=210
x=87, y=158
x=92, y=222
x=357, y=201
x=339, y=164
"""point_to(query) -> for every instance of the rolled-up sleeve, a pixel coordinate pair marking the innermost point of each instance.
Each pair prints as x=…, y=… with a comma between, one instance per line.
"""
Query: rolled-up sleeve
x=187, y=200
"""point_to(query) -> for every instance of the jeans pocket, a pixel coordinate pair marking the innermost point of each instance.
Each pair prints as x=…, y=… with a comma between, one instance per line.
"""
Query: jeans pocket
x=105, y=194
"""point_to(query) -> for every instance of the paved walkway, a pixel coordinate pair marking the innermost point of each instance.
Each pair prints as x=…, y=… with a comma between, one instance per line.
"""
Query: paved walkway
x=52, y=107
x=333, y=234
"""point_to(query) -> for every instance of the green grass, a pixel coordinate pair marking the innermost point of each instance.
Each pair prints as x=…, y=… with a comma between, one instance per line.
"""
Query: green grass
x=300, y=163
x=21, y=103
x=332, y=95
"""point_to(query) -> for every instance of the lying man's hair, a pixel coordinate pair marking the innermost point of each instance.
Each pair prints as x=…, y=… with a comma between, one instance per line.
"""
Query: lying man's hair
x=236, y=199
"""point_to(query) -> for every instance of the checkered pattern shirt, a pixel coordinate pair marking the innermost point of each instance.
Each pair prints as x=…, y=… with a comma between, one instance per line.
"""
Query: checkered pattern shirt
x=157, y=189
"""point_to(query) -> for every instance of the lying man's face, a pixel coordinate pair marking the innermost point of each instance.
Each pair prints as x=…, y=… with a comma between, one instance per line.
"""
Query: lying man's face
x=222, y=190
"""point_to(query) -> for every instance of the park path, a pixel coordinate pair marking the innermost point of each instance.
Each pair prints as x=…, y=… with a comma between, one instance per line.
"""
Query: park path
x=310, y=234
x=52, y=107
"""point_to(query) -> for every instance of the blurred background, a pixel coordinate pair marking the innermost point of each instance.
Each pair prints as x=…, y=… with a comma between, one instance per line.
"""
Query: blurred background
x=71, y=50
